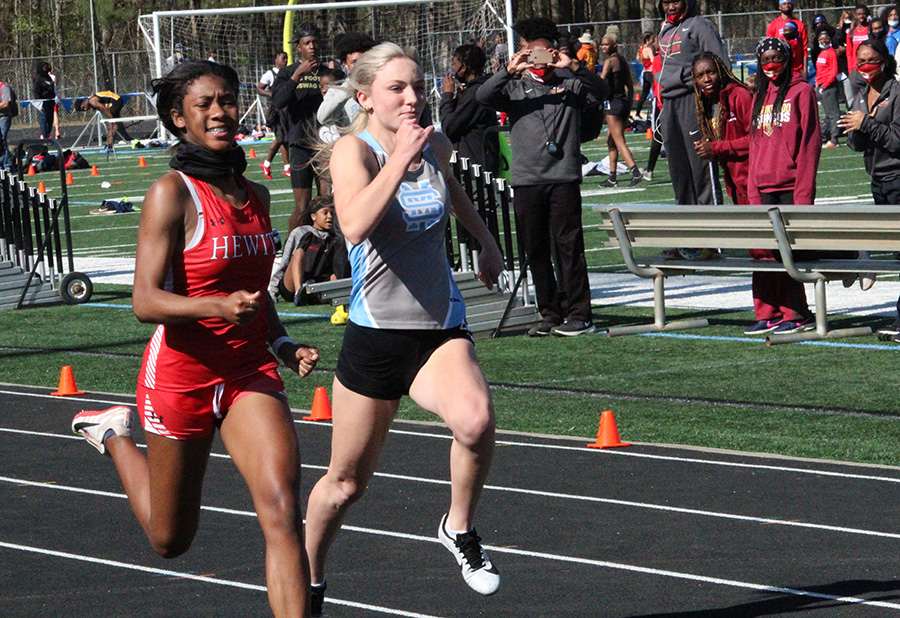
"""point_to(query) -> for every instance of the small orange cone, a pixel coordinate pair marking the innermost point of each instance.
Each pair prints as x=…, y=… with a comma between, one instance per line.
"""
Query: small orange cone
x=321, y=407
x=649, y=133
x=41, y=188
x=141, y=162
x=67, y=383
x=608, y=433
x=69, y=179
x=94, y=171
x=31, y=171
x=252, y=154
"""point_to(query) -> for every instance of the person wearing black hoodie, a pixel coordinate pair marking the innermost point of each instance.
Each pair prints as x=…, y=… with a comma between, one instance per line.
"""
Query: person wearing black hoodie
x=44, y=94
x=464, y=120
x=684, y=34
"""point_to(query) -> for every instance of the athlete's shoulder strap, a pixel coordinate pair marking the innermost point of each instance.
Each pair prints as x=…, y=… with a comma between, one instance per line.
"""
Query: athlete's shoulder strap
x=198, y=231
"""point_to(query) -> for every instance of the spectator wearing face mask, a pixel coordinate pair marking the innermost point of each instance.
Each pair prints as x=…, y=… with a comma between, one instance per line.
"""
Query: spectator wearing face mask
x=890, y=15
x=858, y=33
x=792, y=30
x=814, y=48
x=827, y=85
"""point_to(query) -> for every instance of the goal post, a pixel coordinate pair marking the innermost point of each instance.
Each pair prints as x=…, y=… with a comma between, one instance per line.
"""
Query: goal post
x=247, y=38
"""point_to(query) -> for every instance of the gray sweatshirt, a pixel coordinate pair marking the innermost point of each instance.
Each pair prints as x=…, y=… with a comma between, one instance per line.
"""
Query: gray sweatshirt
x=540, y=114
x=679, y=44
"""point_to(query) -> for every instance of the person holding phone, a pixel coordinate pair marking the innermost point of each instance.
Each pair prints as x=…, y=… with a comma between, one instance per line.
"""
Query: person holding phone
x=545, y=112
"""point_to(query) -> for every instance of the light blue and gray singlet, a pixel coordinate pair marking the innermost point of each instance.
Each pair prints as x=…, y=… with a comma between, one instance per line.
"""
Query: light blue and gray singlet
x=401, y=277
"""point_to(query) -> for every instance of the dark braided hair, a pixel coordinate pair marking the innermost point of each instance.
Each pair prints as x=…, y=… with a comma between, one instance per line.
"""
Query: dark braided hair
x=709, y=128
x=171, y=87
x=473, y=57
x=762, y=83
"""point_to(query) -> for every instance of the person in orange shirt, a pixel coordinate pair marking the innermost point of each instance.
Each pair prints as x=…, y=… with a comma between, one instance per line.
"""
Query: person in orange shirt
x=587, y=53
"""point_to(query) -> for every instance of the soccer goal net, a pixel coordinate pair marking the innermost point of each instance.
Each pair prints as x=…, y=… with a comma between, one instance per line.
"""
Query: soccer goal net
x=248, y=38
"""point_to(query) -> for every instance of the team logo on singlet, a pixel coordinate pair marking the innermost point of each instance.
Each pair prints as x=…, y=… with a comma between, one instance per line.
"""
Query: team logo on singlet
x=230, y=247
x=767, y=123
x=422, y=205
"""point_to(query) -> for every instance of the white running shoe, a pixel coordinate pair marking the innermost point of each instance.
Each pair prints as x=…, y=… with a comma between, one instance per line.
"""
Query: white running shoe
x=477, y=570
x=95, y=426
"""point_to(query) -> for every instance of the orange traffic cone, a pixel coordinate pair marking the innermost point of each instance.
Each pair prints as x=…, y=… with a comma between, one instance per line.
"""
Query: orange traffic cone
x=41, y=188
x=94, y=171
x=141, y=162
x=252, y=154
x=67, y=384
x=321, y=407
x=69, y=179
x=608, y=433
x=649, y=133
x=31, y=171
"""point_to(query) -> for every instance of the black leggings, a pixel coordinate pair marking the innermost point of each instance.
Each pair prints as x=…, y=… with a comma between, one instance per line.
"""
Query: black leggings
x=647, y=81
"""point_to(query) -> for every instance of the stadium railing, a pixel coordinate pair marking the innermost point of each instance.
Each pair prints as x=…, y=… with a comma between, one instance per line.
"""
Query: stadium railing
x=36, y=260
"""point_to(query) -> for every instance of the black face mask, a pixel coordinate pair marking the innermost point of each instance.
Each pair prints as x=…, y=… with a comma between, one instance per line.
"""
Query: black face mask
x=878, y=36
x=790, y=35
x=201, y=162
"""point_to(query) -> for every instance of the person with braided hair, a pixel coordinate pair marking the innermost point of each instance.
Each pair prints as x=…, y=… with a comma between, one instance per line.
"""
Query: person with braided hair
x=724, y=105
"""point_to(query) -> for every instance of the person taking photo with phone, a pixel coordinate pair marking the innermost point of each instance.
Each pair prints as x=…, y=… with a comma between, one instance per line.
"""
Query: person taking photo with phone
x=544, y=111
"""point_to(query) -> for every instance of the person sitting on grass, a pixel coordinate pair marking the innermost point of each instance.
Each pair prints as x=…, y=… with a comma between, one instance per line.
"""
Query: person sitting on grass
x=308, y=255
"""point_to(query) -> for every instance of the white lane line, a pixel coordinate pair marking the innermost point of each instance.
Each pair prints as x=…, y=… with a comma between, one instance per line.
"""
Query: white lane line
x=710, y=462
x=200, y=578
x=727, y=464
x=529, y=492
x=500, y=550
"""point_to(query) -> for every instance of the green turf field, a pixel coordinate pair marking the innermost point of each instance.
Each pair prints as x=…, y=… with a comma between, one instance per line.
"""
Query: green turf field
x=719, y=390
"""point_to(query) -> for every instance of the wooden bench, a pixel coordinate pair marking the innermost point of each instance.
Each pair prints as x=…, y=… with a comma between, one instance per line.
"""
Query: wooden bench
x=484, y=308
x=785, y=228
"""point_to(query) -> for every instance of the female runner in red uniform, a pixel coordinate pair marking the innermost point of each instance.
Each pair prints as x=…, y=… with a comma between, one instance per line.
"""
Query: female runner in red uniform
x=204, y=256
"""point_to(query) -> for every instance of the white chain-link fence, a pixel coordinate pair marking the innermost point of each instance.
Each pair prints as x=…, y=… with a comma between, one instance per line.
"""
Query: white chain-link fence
x=129, y=72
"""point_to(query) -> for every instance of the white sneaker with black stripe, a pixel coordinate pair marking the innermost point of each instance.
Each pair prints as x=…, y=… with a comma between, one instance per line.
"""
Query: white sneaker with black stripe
x=477, y=570
x=97, y=427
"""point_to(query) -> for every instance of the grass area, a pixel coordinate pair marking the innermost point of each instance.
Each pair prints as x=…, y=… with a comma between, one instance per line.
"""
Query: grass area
x=720, y=390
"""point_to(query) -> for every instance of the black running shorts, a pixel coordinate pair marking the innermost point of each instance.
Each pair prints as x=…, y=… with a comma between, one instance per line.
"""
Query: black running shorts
x=382, y=363
x=302, y=174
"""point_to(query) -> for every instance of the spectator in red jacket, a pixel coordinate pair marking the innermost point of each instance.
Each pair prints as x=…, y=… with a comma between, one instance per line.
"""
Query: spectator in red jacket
x=827, y=85
x=858, y=33
x=777, y=29
x=785, y=145
x=798, y=50
x=724, y=106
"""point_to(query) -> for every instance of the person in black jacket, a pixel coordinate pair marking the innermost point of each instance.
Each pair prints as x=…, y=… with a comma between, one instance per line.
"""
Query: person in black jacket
x=297, y=94
x=44, y=96
x=464, y=120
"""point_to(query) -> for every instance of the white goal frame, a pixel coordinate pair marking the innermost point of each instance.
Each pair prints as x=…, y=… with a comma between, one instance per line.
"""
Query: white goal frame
x=153, y=24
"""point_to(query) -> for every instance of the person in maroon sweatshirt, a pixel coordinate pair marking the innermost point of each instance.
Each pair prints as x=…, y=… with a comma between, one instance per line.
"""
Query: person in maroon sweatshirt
x=724, y=106
x=785, y=145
